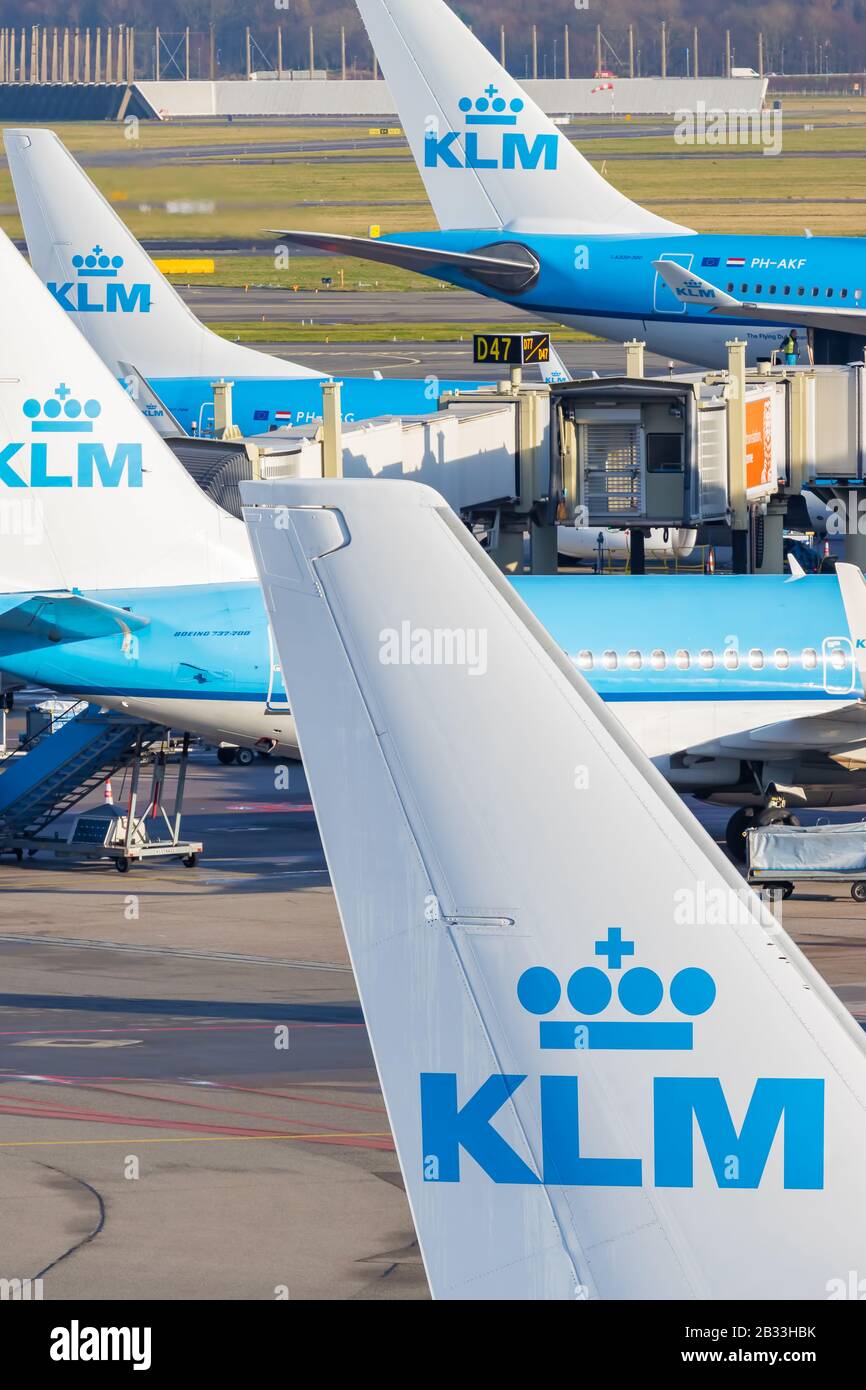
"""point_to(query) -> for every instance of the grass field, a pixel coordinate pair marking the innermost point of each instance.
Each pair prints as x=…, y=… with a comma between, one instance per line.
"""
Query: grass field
x=307, y=273
x=252, y=200
x=708, y=189
x=270, y=332
x=98, y=137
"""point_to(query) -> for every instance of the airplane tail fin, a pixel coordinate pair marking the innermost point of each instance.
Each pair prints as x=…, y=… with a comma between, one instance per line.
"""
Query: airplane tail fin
x=607, y=1069
x=555, y=371
x=90, y=495
x=106, y=281
x=489, y=156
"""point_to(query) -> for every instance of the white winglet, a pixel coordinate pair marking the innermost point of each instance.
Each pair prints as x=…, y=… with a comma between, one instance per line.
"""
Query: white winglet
x=797, y=571
x=149, y=403
x=607, y=1070
x=90, y=496
x=488, y=155
x=554, y=371
x=691, y=289
x=126, y=309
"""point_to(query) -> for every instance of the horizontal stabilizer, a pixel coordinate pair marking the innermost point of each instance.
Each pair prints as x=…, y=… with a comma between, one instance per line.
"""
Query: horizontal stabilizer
x=608, y=1071
x=691, y=290
x=69, y=618
x=505, y=267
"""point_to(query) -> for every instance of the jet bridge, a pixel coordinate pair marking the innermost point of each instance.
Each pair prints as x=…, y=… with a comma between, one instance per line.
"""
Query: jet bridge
x=487, y=452
x=722, y=452
x=654, y=451
x=719, y=450
x=834, y=429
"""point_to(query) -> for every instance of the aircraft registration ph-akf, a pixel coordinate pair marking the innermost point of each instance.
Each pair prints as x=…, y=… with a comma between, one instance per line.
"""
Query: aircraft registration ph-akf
x=120, y=580
x=138, y=323
x=594, y=1092
x=525, y=218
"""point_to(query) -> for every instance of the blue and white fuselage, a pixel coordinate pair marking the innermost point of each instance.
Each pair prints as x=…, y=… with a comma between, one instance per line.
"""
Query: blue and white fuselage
x=263, y=404
x=694, y=664
x=608, y=285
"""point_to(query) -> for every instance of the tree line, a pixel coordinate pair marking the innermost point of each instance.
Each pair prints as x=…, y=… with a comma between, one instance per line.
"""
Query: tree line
x=799, y=35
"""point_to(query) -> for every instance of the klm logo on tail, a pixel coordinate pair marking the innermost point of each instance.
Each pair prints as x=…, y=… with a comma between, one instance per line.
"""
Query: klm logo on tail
x=97, y=289
x=680, y=1104
x=490, y=140
x=52, y=459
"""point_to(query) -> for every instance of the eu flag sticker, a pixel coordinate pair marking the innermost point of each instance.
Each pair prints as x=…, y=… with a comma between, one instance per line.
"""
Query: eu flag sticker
x=261, y=414
x=710, y=261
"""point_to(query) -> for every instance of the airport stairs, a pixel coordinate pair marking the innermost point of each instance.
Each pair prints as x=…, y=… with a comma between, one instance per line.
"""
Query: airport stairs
x=59, y=770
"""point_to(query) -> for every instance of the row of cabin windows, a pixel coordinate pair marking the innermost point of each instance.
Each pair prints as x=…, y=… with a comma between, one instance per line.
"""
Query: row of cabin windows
x=755, y=660
x=787, y=290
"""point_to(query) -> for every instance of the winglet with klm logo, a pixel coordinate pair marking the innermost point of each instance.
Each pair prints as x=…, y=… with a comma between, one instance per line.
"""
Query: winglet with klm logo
x=691, y=289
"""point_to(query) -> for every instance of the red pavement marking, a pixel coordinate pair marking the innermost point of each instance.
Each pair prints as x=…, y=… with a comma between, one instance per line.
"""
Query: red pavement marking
x=97, y=1082
x=169, y=1028
x=68, y=1113
x=307, y=1100
x=187, y=1104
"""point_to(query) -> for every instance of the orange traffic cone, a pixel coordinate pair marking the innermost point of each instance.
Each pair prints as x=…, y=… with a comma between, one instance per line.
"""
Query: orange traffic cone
x=108, y=794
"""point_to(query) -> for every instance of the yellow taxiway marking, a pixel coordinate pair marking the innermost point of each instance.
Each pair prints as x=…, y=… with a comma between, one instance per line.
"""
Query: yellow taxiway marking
x=190, y=1139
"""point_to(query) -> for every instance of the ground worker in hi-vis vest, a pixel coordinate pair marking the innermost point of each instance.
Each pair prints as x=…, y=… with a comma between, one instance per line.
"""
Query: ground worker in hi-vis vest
x=791, y=348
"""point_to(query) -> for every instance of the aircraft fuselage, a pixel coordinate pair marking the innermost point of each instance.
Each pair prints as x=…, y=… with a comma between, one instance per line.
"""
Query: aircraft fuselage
x=607, y=285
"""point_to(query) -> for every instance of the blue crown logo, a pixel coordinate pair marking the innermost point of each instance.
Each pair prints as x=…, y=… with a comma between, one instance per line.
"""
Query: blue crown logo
x=62, y=414
x=640, y=992
x=491, y=109
x=97, y=265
